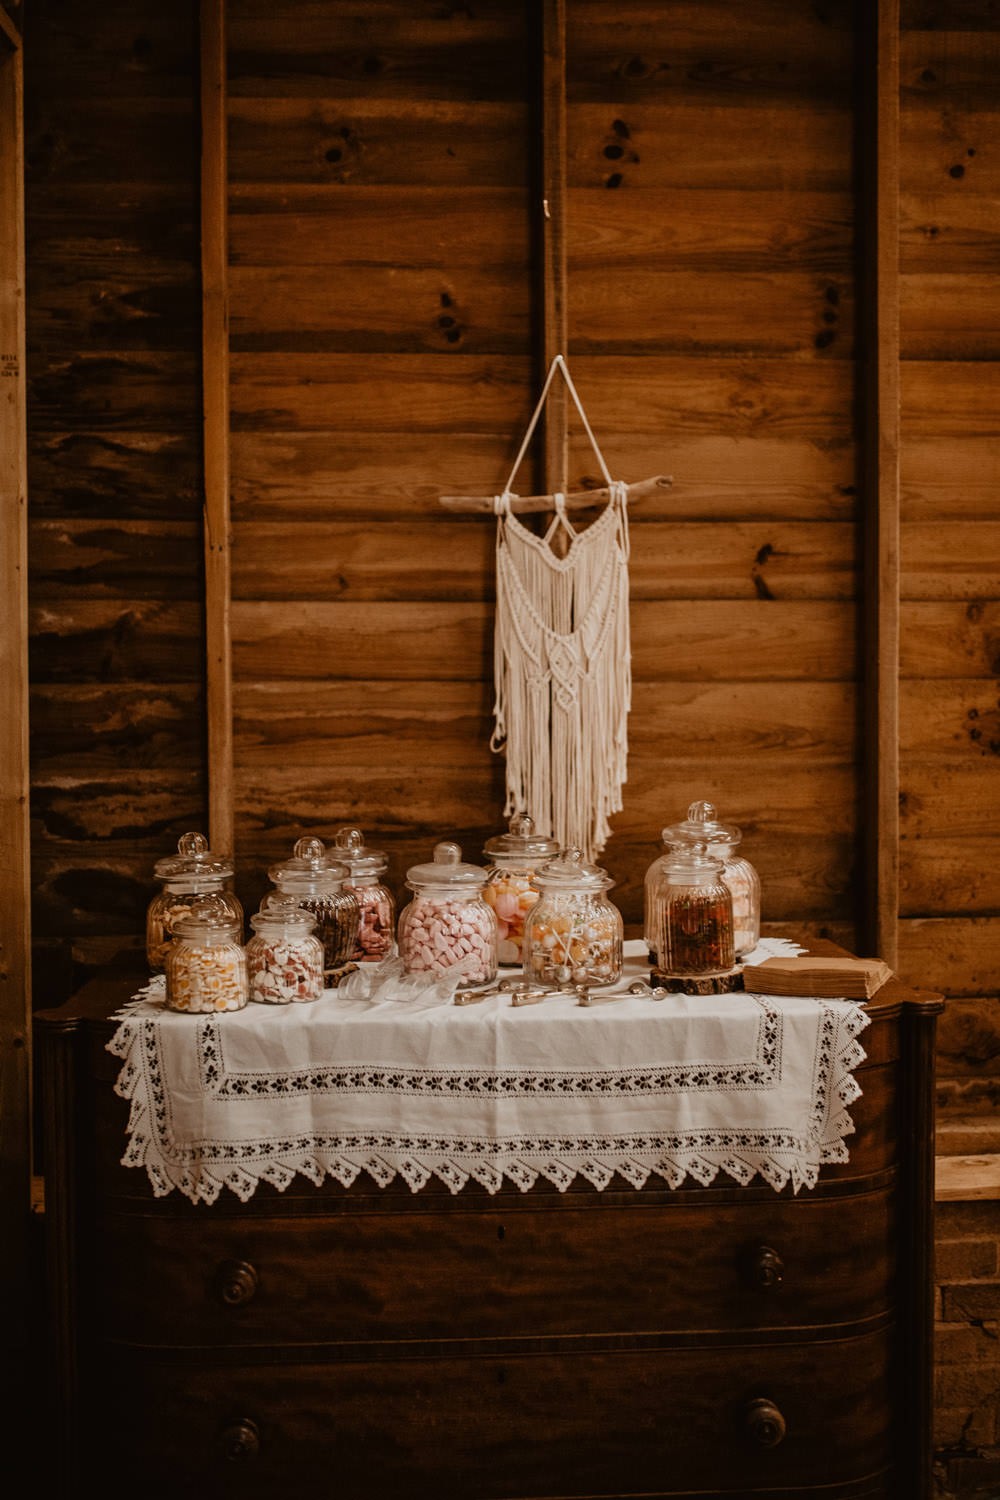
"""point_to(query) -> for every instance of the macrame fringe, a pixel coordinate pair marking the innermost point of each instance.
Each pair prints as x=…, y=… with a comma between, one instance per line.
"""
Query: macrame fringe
x=563, y=672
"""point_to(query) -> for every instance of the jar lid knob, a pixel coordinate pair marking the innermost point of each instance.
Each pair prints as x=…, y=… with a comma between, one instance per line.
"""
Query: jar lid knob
x=572, y=855
x=701, y=812
x=351, y=839
x=192, y=845
x=447, y=853
x=523, y=825
x=311, y=850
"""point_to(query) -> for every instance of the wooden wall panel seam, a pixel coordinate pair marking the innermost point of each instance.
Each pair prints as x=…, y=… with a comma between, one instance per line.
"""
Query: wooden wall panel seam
x=215, y=378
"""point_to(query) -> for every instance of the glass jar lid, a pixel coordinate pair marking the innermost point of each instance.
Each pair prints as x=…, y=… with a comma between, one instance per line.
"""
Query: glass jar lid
x=701, y=826
x=447, y=869
x=362, y=862
x=569, y=871
x=281, y=910
x=521, y=842
x=693, y=864
x=207, y=918
x=309, y=868
x=194, y=860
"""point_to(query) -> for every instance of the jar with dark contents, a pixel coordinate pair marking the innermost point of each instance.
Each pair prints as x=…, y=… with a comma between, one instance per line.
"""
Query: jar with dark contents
x=692, y=915
x=284, y=956
x=573, y=934
x=510, y=889
x=194, y=871
x=316, y=880
x=703, y=826
x=376, y=904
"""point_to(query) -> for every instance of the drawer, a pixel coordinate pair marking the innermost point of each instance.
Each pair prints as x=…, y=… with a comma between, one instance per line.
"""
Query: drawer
x=639, y=1421
x=579, y=1268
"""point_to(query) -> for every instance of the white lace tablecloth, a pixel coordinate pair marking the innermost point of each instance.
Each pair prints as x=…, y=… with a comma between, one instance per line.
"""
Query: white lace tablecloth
x=676, y=1087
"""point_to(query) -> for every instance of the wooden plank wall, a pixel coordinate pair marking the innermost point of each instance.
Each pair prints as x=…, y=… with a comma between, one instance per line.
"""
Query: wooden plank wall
x=382, y=335
x=387, y=320
x=114, y=466
x=950, y=709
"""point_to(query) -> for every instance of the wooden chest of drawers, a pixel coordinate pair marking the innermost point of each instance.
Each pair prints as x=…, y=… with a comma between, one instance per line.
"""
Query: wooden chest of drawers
x=373, y=1343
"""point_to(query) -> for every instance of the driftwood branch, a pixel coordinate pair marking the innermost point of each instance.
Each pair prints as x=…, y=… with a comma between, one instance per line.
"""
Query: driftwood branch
x=578, y=500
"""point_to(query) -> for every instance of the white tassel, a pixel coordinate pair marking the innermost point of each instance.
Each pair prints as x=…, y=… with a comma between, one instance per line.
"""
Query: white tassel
x=563, y=673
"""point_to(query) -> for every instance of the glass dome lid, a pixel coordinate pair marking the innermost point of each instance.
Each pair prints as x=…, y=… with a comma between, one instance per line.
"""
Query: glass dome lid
x=194, y=860
x=701, y=826
x=363, y=863
x=207, y=917
x=693, y=864
x=569, y=871
x=310, y=862
x=276, y=908
x=447, y=868
x=521, y=842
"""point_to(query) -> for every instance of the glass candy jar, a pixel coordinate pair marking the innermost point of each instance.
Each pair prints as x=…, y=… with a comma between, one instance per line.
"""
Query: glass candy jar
x=510, y=888
x=573, y=935
x=284, y=956
x=206, y=962
x=448, y=924
x=693, y=914
x=316, y=880
x=702, y=826
x=192, y=872
x=376, y=903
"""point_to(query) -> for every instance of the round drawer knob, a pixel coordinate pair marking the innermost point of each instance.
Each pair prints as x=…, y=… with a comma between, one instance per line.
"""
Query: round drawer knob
x=768, y=1268
x=236, y=1282
x=240, y=1440
x=763, y=1423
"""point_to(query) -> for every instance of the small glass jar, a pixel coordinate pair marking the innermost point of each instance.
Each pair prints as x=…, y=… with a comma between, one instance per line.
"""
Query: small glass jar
x=702, y=826
x=284, y=956
x=206, y=962
x=376, y=903
x=510, y=889
x=693, y=914
x=192, y=872
x=573, y=935
x=448, y=925
x=316, y=880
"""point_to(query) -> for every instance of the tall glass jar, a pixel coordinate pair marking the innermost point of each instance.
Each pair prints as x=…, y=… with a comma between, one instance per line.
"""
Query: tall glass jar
x=702, y=826
x=448, y=925
x=573, y=935
x=192, y=872
x=206, y=962
x=284, y=956
x=316, y=880
x=510, y=889
x=693, y=914
x=376, y=903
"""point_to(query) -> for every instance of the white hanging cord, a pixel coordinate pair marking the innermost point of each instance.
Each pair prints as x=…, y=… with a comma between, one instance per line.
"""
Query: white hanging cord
x=557, y=364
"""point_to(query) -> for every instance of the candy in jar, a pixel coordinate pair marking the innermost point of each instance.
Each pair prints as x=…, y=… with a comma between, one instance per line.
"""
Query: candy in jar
x=376, y=903
x=284, y=956
x=192, y=872
x=206, y=962
x=702, y=826
x=510, y=887
x=693, y=914
x=448, y=925
x=316, y=880
x=573, y=935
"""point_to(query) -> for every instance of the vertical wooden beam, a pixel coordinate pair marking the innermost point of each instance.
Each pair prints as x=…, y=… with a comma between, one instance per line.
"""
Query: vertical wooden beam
x=879, y=240
x=15, y=884
x=553, y=208
x=215, y=398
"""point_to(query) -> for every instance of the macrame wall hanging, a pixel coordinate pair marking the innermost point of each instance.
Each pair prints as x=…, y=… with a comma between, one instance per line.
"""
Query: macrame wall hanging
x=562, y=656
